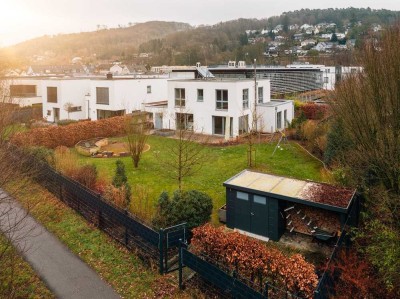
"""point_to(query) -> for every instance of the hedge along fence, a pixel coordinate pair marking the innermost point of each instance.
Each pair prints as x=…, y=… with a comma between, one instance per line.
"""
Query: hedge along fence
x=69, y=135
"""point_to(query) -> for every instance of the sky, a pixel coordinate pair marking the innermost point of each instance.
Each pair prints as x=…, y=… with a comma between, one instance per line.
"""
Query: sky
x=25, y=19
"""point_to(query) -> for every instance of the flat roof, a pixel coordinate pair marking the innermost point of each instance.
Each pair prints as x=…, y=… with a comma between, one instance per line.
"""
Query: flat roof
x=306, y=192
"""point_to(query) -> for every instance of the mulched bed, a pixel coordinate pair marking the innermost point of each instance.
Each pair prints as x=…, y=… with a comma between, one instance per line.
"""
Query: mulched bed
x=327, y=194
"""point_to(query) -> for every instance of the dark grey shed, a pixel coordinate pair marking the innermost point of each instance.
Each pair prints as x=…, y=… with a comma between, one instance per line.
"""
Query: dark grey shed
x=256, y=202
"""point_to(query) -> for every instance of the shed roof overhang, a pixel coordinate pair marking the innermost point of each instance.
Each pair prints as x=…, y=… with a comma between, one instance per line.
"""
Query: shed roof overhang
x=292, y=190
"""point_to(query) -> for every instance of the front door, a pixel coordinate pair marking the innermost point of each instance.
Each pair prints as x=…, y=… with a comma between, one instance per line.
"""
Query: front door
x=259, y=215
x=56, y=113
x=158, y=121
x=251, y=213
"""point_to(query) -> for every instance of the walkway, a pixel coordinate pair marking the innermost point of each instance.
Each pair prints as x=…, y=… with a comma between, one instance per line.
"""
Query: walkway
x=65, y=274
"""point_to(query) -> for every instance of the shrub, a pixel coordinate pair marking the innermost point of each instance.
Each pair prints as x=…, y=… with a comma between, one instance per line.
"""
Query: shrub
x=65, y=122
x=253, y=260
x=86, y=175
x=193, y=207
x=314, y=111
x=120, y=181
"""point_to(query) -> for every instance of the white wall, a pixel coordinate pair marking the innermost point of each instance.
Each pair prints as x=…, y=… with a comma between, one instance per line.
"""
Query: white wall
x=22, y=101
x=127, y=94
x=268, y=115
x=68, y=91
x=204, y=111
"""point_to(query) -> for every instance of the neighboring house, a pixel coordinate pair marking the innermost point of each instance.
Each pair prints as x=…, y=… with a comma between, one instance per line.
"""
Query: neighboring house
x=46, y=70
x=94, y=98
x=22, y=91
x=308, y=42
x=221, y=107
x=103, y=69
x=325, y=47
x=298, y=36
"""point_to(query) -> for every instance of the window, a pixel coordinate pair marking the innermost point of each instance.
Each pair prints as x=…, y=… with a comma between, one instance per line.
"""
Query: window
x=148, y=88
x=180, y=97
x=260, y=199
x=48, y=112
x=23, y=91
x=221, y=99
x=285, y=121
x=199, y=95
x=245, y=98
x=242, y=195
x=102, y=95
x=326, y=80
x=261, y=95
x=102, y=114
x=279, y=120
x=220, y=125
x=52, y=94
x=184, y=121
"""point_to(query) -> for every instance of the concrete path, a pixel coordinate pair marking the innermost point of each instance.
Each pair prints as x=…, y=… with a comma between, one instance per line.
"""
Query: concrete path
x=66, y=275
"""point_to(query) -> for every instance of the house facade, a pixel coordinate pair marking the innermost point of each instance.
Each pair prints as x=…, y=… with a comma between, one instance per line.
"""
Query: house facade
x=221, y=107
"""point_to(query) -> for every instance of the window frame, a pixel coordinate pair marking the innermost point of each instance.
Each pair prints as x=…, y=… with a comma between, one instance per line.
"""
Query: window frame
x=180, y=101
x=200, y=98
x=260, y=99
x=221, y=99
x=52, y=94
x=99, y=92
x=245, y=98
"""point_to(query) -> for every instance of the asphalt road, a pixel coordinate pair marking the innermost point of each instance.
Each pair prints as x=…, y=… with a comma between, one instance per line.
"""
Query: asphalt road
x=65, y=274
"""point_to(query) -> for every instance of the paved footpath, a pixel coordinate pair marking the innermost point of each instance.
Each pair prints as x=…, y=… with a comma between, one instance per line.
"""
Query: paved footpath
x=66, y=275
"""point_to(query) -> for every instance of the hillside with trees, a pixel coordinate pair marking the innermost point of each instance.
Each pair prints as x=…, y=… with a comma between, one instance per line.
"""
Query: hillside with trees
x=104, y=43
x=172, y=43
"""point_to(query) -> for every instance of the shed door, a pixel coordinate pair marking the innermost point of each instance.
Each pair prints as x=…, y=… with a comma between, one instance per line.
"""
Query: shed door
x=259, y=215
x=242, y=211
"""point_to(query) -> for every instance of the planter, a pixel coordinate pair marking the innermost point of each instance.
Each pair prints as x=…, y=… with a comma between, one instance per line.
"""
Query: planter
x=222, y=214
x=164, y=132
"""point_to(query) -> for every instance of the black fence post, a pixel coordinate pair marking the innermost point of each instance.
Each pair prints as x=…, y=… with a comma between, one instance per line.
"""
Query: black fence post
x=126, y=232
x=266, y=290
x=180, y=265
x=161, y=250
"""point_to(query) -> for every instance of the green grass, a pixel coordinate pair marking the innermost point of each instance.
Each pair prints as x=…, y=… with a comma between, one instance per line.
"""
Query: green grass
x=221, y=164
x=25, y=282
x=119, y=267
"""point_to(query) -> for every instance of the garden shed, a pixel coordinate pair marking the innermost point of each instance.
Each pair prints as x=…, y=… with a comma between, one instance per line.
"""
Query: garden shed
x=266, y=205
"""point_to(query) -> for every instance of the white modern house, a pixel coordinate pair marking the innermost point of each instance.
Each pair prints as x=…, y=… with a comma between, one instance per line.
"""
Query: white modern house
x=222, y=107
x=21, y=91
x=98, y=98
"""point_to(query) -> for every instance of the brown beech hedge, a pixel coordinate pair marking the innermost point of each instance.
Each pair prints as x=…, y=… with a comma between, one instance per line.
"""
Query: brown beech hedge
x=69, y=135
x=255, y=261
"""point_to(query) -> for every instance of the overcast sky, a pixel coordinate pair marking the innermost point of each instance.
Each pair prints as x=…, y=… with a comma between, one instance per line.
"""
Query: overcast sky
x=25, y=19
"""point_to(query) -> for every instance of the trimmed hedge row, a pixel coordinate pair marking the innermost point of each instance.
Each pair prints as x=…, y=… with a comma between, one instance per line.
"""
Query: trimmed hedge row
x=69, y=135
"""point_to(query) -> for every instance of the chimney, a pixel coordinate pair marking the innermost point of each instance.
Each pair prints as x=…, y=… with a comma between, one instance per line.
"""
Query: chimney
x=109, y=76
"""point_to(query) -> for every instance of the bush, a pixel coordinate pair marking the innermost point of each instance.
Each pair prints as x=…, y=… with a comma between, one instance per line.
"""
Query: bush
x=86, y=175
x=120, y=181
x=65, y=122
x=193, y=207
x=314, y=111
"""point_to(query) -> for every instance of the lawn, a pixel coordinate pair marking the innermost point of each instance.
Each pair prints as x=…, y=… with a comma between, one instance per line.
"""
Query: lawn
x=25, y=282
x=221, y=164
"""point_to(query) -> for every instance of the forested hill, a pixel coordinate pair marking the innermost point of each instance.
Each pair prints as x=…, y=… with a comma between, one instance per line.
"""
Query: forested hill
x=228, y=40
x=179, y=43
x=100, y=44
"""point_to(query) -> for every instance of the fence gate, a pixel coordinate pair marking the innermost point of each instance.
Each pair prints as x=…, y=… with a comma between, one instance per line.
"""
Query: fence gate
x=170, y=239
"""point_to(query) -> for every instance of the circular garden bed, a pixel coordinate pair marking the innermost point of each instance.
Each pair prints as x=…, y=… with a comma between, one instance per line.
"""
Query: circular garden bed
x=102, y=148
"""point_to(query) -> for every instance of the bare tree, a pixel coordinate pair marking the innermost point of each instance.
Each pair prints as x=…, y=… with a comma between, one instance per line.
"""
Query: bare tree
x=68, y=107
x=187, y=155
x=137, y=129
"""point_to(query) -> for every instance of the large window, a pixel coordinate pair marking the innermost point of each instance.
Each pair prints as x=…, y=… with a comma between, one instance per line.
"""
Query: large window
x=102, y=114
x=184, y=121
x=222, y=99
x=22, y=91
x=279, y=120
x=285, y=121
x=102, y=96
x=243, y=124
x=261, y=95
x=245, y=98
x=200, y=95
x=52, y=94
x=220, y=125
x=180, y=98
